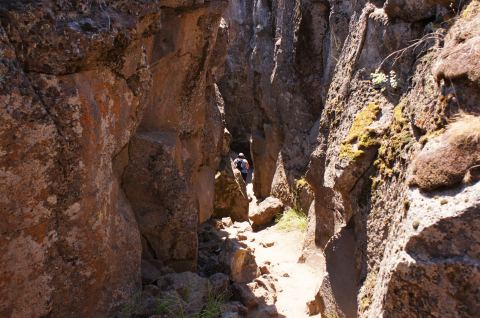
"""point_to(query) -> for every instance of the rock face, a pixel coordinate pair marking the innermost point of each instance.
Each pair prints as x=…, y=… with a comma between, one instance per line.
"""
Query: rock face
x=272, y=85
x=231, y=199
x=377, y=244
x=175, y=152
x=112, y=134
x=76, y=81
x=445, y=161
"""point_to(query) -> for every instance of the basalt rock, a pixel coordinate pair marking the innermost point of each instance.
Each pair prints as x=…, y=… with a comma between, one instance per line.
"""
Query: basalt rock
x=175, y=153
x=273, y=85
x=265, y=212
x=231, y=199
x=75, y=82
x=376, y=230
x=409, y=10
x=112, y=133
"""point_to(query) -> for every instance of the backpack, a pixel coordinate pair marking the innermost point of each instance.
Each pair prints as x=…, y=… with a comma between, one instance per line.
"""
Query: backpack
x=239, y=164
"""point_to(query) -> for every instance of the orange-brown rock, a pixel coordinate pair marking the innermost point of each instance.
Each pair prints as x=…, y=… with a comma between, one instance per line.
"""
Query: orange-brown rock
x=170, y=177
x=446, y=160
x=75, y=79
x=265, y=212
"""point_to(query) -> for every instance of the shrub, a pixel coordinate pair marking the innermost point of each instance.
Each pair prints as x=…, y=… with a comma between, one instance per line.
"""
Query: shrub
x=300, y=183
x=383, y=81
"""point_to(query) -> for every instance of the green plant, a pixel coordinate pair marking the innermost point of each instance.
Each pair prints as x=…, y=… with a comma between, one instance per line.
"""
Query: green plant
x=171, y=305
x=185, y=293
x=132, y=306
x=383, y=81
x=163, y=306
x=214, y=307
x=292, y=220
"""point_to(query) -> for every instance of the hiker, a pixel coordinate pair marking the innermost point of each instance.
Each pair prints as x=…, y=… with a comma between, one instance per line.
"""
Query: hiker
x=242, y=164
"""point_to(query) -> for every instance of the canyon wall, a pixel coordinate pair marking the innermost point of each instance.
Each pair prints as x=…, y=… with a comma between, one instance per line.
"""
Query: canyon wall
x=108, y=109
x=365, y=114
x=370, y=91
x=272, y=87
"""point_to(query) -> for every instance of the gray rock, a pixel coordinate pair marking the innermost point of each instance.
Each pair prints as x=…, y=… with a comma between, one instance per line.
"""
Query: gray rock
x=410, y=10
x=265, y=212
x=220, y=283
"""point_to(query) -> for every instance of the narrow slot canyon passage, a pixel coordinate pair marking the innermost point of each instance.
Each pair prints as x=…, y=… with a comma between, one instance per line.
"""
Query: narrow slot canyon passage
x=122, y=191
x=272, y=279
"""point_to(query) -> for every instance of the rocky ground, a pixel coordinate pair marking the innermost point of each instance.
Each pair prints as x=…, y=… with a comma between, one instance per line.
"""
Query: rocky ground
x=242, y=273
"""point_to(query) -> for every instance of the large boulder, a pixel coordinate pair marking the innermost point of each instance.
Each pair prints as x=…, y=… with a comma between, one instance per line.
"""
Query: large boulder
x=151, y=176
x=221, y=251
x=239, y=261
x=260, y=294
x=445, y=160
x=265, y=212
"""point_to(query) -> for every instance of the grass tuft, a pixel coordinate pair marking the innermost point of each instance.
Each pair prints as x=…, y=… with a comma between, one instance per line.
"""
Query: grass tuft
x=214, y=307
x=464, y=129
x=132, y=306
x=292, y=220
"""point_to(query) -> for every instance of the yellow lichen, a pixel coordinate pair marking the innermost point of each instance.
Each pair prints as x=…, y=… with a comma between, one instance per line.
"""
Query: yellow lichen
x=300, y=183
x=360, y=135
x=398, y=138
x=471, y=10
x=425, y=138
x=367, y=292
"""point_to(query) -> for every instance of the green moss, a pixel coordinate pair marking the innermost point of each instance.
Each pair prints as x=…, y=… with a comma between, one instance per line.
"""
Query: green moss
x=425, y=138
x=376, y=183
x=368, y=287
x=360, y=135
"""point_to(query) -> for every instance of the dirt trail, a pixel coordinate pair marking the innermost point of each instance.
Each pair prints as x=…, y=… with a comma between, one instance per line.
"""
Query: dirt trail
x=296, y=281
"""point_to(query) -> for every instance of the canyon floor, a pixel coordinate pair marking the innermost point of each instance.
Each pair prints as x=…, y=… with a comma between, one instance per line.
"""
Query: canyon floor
x=296, y=280
x=281, y=250
x=264, y=265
